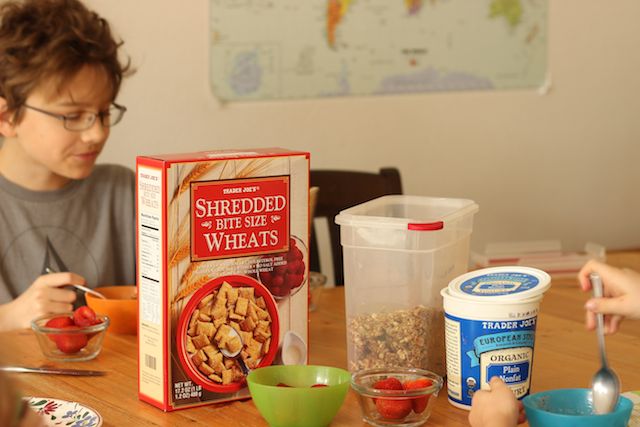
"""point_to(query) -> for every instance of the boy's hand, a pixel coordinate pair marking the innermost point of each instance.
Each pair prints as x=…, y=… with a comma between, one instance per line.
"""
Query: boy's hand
x=44, y=296
x=621, y=289
x=497, y=407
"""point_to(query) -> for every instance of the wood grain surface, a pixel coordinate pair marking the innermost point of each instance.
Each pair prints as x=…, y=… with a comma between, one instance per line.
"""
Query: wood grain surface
x=565, y=356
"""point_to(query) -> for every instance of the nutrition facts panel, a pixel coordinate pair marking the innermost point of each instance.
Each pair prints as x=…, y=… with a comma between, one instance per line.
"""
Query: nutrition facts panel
x=150, y=281
x=150, y=243
x=454, y=379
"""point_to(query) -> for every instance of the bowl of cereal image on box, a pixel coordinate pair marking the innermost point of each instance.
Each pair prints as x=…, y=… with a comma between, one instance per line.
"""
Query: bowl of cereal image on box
x=229, y=314
x=284, y=274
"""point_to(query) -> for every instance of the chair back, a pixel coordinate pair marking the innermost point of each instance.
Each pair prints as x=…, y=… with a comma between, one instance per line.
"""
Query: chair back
x=339, y=190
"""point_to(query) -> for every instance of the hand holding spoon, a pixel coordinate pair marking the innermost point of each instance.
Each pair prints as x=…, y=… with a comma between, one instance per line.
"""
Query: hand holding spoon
x=605, y=383
x=82, y=288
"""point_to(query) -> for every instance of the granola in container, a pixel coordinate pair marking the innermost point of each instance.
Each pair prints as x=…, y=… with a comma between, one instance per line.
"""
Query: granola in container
x=412, y=337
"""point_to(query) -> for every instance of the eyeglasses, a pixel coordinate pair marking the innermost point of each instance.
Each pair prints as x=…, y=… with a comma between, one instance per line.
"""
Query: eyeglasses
x=85, y=119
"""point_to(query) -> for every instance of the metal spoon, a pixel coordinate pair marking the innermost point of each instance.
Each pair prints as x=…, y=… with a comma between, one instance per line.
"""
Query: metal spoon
x=90, y=291
x=236, y=355
x=605, y=384
x=82, y=288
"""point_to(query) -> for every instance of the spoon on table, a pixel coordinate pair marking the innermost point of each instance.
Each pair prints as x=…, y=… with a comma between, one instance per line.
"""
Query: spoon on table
x=605, y=384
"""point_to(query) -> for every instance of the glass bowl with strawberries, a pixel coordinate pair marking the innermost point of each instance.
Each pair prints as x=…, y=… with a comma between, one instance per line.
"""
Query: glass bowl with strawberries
x=401, y=397
x=71, y=337
x=284, y=274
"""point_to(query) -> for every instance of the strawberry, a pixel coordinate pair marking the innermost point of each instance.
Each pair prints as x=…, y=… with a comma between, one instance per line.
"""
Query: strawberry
x=288, y=276
x=58, y=322
x=84, y=316
x=318, y=385
x=71, y=343
x=390, y=383
x=393, y=409
x=282, y=385
x=419, y=403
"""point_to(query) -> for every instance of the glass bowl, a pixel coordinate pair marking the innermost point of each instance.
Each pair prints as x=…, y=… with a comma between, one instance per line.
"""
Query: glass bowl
x=316, y=285
x=284, y=274
x=70, y=343
x=298, y=395
x=402, y=397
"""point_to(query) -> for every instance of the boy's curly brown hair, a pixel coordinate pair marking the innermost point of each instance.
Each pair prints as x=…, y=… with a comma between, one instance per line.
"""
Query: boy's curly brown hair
x=50, y=41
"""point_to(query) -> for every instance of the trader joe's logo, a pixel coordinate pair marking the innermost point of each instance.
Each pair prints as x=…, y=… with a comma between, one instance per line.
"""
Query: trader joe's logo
x=239, y=217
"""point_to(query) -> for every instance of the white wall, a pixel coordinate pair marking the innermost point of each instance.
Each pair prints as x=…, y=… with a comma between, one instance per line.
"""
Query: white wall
x=562, y=165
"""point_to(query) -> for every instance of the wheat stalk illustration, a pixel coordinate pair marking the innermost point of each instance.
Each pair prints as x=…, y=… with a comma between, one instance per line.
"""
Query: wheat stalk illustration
x=180, y=243
x=198, y=171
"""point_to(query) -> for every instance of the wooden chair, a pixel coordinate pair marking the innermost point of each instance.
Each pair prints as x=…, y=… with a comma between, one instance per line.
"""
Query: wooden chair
x=339, y=190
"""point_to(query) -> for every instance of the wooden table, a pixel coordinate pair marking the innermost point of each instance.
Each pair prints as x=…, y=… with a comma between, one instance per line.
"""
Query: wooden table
x=565, y=356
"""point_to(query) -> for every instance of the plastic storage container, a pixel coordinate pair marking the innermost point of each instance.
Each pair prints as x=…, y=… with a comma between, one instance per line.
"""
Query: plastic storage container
x=399, y=251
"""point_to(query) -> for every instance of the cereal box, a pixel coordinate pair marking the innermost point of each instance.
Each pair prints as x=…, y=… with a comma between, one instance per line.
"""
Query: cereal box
x=222, y=271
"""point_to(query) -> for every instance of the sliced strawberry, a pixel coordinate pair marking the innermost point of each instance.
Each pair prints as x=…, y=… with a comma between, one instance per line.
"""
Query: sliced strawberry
x=84, y=316
x=319, y=385
x=419, y=403
x=282, y=385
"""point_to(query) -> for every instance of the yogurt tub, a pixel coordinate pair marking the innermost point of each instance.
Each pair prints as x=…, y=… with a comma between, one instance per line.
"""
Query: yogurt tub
x=490, y=324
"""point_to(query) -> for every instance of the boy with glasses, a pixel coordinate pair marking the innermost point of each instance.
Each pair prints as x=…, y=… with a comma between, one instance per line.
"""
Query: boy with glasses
x=63, y=220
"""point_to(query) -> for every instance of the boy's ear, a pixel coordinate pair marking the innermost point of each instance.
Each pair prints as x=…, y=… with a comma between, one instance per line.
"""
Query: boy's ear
x=6, y=119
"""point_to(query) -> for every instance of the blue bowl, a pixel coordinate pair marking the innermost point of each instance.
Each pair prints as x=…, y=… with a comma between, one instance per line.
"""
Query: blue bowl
x=571, y=407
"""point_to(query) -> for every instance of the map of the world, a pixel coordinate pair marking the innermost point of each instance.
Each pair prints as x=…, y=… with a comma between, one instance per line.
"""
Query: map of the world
x=276, y=49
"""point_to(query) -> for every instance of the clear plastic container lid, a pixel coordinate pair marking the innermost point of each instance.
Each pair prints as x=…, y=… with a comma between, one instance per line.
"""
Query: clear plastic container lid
x=402, y=212
x=502, y=283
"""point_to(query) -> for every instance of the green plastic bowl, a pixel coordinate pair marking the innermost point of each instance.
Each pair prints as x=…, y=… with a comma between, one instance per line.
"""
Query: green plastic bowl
x=300, y=404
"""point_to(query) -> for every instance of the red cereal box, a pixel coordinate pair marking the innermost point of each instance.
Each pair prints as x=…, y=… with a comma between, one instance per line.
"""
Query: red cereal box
x=222, y=265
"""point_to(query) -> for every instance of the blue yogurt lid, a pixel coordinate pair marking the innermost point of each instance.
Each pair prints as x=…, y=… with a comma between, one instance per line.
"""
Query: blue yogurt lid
x=504, y=283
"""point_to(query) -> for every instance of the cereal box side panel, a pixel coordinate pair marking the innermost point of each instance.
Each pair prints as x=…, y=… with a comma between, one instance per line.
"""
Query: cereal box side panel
x=150, y=262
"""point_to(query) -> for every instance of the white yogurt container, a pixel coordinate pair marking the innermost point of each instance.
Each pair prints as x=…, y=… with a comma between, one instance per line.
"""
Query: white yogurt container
x=490, y=323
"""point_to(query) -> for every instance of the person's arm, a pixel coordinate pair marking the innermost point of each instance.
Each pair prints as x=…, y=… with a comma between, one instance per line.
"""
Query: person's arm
x=44, y=296
x=14, y=411
x=621, y=290
x=497, y=407
x=31, y=419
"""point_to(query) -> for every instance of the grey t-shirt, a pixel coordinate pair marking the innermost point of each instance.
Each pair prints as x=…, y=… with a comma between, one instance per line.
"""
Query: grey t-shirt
x=87, y=227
